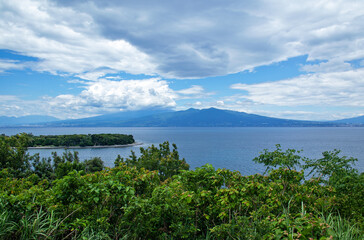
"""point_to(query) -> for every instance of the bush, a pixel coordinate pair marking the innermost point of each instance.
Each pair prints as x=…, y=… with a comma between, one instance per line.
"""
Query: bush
x=155, y=196
x=164, y=160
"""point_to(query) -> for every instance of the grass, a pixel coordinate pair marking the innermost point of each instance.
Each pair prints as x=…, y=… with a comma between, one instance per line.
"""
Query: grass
x=343, y=229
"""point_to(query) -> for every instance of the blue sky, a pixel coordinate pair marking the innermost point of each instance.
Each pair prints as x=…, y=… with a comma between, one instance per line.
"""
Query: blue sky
x=287, y=59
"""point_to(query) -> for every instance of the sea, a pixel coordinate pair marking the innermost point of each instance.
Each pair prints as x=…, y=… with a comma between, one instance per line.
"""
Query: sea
x=231, y=148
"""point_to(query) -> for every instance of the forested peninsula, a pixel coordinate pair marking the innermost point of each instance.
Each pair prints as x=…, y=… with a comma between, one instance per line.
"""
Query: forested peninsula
x=76, y=140
x=156, y=196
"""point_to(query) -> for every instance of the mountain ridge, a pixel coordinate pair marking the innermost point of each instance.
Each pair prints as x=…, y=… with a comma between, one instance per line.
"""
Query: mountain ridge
x=209, y=117
x=213, y=117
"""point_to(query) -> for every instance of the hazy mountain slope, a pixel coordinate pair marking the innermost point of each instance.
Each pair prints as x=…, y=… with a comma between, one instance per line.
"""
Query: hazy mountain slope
x=31, y=119
x=356, y=120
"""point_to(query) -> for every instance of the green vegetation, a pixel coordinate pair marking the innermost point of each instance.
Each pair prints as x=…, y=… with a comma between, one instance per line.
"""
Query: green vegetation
x=81, y=140
x=155, y=196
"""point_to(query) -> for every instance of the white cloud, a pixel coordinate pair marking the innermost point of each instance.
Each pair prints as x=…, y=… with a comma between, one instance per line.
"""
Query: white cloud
x=97, y=98
x=216, y=38
x=102, y=96
x=11, y=105
x=5, y=98
x=220, y=103
x=129, y=94
x=179, y=39
x=94, y=75
x=320, y=89
x=65, y=40
x=329, y=66
x=10, y=64
x=193, y=90
x=198, y=103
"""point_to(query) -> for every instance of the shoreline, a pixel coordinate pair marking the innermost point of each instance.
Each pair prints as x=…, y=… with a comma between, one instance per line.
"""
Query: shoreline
x=79, y=147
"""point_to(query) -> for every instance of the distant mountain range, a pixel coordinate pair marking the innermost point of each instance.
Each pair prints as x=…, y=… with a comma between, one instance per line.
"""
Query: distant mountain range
x=26, y=120
x=211, y=117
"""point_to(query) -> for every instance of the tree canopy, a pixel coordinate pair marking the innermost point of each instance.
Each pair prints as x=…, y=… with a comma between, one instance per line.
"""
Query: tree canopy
x=82, y=140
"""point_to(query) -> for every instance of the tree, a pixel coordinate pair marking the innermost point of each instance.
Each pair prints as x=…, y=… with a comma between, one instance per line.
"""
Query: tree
x=288, y=159
x=94, y=165
x=13, y=154
x=164, y=160
x=331, y=167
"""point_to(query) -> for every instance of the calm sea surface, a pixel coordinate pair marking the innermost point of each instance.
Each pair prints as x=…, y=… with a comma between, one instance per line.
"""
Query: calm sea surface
x=232, y=148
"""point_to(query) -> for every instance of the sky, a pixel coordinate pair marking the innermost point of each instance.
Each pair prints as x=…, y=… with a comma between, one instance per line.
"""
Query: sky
x=285, y=58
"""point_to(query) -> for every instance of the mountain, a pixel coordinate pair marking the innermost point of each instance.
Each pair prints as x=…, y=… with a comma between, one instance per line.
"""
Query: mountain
x=211, y=117
x=352, y=121
x=108, y=120
x=26, y=120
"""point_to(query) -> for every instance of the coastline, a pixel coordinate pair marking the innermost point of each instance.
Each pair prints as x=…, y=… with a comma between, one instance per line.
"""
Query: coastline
x=79, y=147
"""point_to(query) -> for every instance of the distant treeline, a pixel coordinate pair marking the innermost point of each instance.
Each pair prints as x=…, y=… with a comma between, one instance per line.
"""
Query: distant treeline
x=81, y=140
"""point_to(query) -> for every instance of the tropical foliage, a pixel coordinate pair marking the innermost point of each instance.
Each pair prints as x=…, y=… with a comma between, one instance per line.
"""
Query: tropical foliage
x=155, y=196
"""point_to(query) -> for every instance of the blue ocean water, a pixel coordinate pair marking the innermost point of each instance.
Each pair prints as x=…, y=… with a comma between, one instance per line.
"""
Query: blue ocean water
x=231, y=148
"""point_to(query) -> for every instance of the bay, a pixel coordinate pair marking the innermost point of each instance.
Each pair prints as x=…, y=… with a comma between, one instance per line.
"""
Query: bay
x=231, y=148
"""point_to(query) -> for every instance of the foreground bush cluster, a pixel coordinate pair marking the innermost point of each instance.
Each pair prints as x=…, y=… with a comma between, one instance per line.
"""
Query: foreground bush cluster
x=155, y=196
